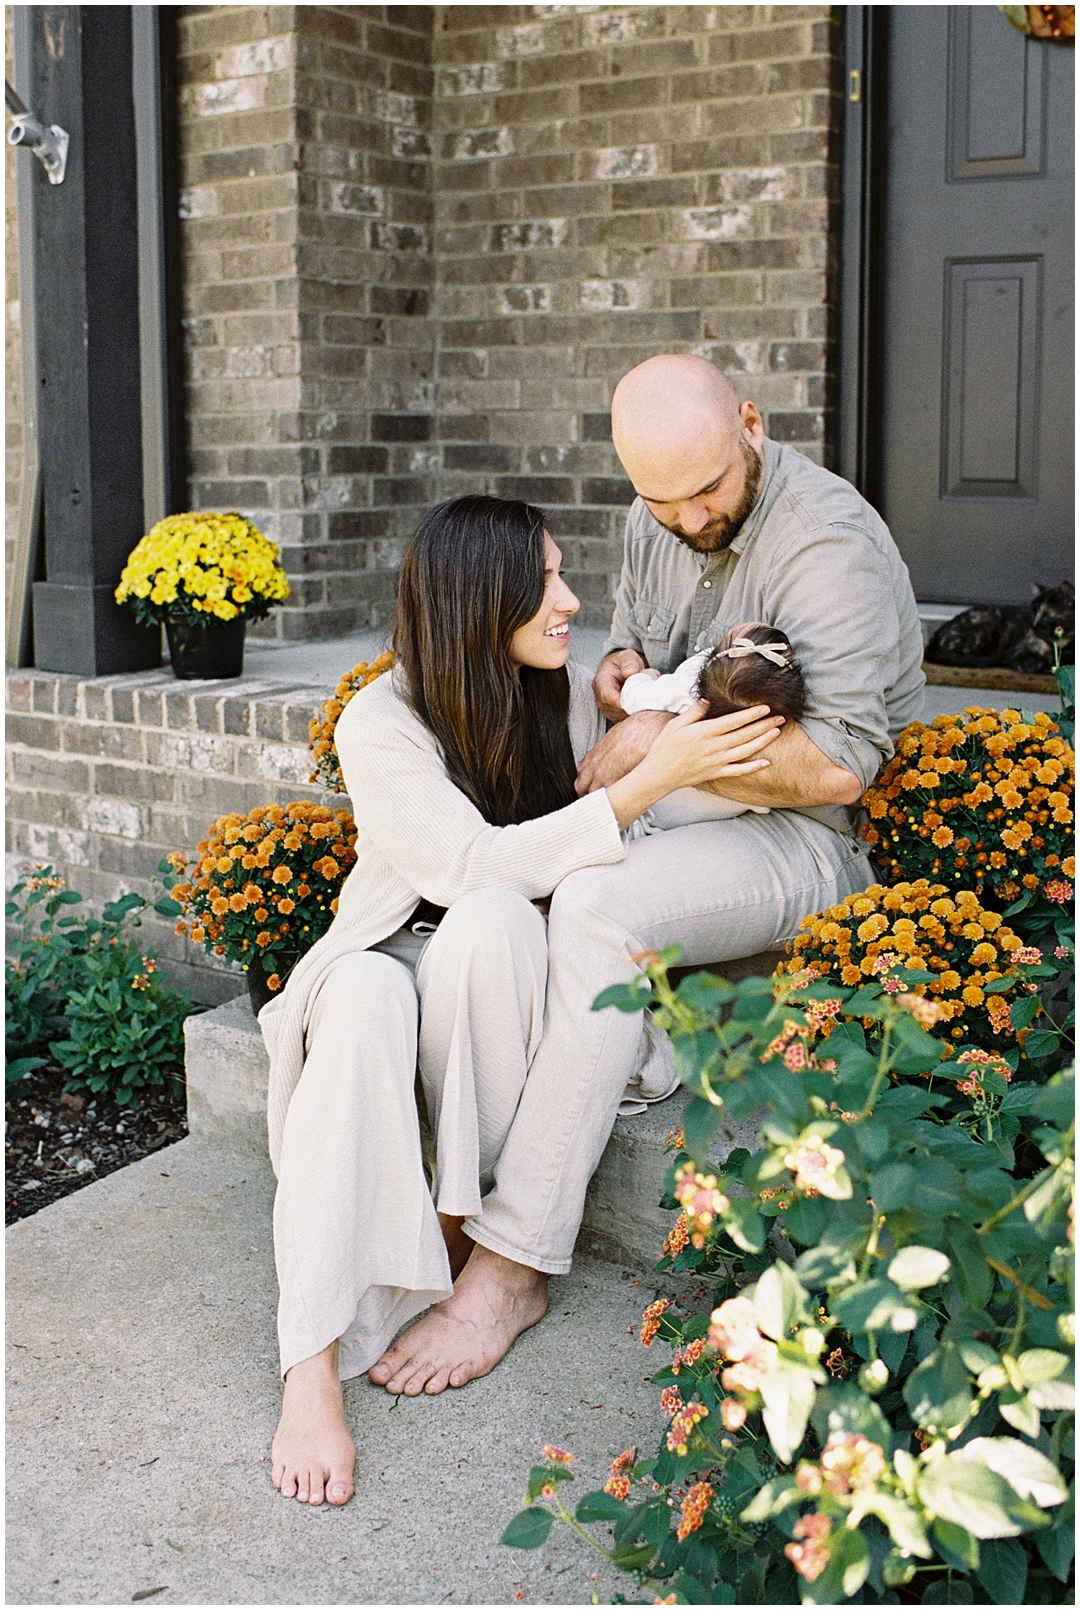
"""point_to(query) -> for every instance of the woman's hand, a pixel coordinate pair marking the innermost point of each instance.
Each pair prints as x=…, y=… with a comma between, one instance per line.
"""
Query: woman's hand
x=690, y=751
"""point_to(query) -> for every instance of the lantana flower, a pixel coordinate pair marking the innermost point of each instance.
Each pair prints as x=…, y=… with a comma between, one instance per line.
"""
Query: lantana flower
x=809, y=1555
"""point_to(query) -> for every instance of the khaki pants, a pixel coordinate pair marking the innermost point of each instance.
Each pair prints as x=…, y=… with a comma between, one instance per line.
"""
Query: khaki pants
x=522, y=1079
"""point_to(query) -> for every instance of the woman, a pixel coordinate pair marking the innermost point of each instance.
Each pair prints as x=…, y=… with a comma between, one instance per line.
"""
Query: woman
x=460, y=766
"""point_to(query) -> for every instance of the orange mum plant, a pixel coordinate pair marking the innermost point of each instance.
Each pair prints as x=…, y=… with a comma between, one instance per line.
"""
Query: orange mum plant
x=981, y=800
x=919, y=928
x=266, y=885
x=321, y=742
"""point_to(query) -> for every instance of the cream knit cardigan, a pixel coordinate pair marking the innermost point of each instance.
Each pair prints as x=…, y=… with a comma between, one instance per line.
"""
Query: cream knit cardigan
x=419, y=837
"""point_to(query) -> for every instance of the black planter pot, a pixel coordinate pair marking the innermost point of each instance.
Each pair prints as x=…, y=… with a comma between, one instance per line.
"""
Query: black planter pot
x=257, y=974
x=206, y=650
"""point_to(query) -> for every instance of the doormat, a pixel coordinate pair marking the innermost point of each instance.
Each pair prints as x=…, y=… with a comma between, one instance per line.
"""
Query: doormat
x=997, y=677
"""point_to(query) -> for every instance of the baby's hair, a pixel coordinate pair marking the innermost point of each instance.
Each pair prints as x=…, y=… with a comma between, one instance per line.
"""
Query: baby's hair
x=729, y=683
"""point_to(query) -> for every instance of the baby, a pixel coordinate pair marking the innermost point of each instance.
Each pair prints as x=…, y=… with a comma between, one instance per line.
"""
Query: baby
x=752, y=664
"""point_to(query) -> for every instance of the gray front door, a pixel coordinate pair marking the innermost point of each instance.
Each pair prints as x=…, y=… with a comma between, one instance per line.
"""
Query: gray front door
x=977, y=280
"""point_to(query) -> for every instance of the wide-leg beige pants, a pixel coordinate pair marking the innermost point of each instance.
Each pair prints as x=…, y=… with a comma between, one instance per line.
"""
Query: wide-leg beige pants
x=358, y=1246
x=523, y=1080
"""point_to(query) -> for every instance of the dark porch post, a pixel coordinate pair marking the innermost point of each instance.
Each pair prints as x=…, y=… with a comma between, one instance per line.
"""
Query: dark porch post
x=87, y=278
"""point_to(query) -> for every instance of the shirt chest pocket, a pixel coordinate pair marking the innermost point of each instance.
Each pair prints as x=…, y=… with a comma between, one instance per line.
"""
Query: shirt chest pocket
x=653, y=624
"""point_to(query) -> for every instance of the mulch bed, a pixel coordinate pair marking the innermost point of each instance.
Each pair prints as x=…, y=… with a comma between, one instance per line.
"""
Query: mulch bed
x=58, y=1141
x=998, y=677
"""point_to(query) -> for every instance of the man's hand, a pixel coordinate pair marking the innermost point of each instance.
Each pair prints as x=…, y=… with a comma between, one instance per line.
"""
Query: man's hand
x=607, y=685
x=622, y=749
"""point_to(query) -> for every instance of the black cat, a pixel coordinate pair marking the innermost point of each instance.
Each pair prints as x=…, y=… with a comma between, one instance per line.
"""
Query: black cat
x=986, y=636
x=978, y=637
x=1053, y=610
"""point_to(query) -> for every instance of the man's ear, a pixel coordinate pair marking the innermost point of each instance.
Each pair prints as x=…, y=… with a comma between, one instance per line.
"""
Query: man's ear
x=751, y=419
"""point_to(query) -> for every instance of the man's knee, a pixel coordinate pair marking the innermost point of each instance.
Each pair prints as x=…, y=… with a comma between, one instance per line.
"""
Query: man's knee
x=595, y=891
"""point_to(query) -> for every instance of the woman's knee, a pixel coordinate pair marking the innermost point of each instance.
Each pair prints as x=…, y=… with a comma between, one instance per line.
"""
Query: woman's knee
x=366, y=981
x=495, y=939
x=485, y=915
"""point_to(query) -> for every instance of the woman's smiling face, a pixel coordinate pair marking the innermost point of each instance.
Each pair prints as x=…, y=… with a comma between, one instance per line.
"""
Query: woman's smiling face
x=544, y=642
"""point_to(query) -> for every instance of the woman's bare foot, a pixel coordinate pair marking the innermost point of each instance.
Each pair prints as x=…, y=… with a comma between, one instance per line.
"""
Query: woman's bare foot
x=458, y=1245
x=313, y=1454
x=493, y=1302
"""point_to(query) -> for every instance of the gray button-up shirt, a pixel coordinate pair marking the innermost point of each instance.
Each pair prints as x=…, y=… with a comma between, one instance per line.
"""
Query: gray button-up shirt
x=815, y=560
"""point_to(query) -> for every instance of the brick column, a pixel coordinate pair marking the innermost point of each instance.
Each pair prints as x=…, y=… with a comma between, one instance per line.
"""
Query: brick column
x=307, y=248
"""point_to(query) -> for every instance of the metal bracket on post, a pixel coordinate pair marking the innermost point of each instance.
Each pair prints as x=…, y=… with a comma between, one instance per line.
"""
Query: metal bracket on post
x=49, y=145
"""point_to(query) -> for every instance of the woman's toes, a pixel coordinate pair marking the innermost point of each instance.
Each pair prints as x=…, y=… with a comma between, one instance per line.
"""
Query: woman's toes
x=438, y=1382
x=381, y=1372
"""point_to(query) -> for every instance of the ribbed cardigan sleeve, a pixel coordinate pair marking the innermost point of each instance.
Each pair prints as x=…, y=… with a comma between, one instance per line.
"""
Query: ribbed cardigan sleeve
x=432, y=834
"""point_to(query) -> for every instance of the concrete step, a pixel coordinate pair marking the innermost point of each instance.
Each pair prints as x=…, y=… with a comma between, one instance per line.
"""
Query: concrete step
x=227, y=1072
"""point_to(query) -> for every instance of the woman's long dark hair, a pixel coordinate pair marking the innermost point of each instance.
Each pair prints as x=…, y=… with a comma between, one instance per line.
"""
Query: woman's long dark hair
x=472, y=574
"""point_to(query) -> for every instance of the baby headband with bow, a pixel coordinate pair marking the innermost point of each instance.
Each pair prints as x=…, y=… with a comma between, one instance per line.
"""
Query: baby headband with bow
x=778, y=653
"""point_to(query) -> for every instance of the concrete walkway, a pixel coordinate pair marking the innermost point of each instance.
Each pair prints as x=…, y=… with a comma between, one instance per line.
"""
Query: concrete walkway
x=142, y=1395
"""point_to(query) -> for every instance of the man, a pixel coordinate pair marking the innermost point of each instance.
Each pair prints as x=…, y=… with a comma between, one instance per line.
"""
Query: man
x=727, y=527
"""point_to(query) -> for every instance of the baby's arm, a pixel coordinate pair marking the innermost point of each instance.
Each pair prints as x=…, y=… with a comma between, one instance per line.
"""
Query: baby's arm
x=648, y=690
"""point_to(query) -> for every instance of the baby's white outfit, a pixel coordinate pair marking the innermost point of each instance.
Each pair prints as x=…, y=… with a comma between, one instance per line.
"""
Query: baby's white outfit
x=675, y=692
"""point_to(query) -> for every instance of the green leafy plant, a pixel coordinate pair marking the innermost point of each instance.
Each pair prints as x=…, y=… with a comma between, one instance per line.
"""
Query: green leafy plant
x=1065, y=677
x=878, y=1402
x=43, y=967
x=81, y=991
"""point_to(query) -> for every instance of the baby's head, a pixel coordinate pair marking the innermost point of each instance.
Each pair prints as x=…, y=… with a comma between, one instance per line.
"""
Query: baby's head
x=752, y=664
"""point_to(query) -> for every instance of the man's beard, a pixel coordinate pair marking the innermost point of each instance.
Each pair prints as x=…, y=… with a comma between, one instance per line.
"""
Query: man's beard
x=722, y=529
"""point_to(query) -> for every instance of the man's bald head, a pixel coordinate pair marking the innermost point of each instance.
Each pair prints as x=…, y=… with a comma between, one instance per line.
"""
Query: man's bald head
x=665, y=414
x=691, y=449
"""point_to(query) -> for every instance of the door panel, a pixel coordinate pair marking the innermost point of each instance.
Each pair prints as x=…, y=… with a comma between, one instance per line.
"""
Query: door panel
x=997, y=92
x=977, y=265
x=991, y=338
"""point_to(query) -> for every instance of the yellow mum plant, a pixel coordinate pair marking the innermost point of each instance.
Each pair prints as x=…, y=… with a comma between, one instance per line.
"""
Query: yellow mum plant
x=982, y=800
x=266, y=884
x=189, y=566
x=321, y=742
x=919, y=927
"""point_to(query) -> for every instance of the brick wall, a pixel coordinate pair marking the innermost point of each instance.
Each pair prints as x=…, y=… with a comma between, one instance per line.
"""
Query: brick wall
x=108, y=775
x=308, y=270
x=421, y=244
x=613, y=182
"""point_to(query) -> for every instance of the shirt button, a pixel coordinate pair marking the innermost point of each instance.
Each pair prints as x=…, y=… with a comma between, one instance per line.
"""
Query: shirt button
x=706, y=584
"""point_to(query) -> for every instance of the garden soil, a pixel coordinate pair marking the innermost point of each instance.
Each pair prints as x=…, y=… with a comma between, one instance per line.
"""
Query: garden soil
x=59, y=1141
